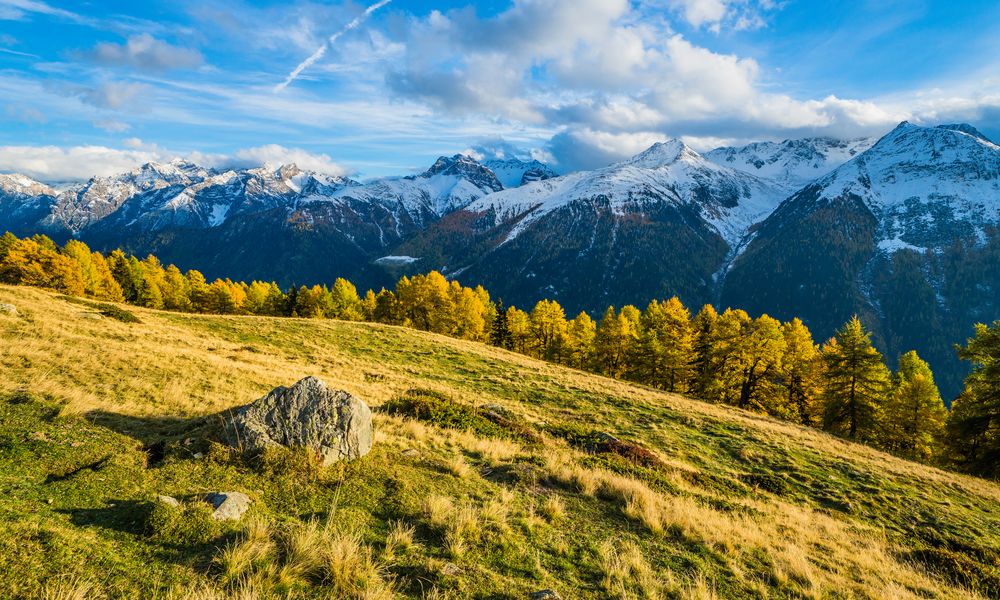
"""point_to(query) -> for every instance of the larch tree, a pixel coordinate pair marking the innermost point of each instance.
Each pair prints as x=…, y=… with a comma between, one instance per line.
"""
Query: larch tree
x=856, y=383
x=914, y=419
x=548, y=328
x=580, y=334
x=800, y=372
x=665, y=346
x=616, y=334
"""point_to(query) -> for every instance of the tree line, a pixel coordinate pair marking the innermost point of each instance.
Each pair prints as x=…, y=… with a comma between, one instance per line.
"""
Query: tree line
x=760, y=364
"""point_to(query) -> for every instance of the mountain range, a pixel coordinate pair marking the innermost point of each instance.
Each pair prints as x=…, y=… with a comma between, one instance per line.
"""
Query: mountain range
x=900, y=229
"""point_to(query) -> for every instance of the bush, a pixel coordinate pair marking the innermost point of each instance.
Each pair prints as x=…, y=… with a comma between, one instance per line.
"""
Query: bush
x=597, y=442
x=189, y=524
x=117, y=313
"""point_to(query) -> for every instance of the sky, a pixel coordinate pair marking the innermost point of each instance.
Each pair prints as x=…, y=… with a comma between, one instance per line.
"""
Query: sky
x=354, y=88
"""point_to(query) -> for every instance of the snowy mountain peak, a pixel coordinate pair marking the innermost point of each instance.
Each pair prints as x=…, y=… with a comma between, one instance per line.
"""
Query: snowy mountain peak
x=790, y=163
x=661, y=154
x=514, y=172
x=465, y=167
x=22, y=185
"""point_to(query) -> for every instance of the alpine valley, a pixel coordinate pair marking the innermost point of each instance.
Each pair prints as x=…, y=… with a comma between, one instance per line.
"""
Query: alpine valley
x=901, y=230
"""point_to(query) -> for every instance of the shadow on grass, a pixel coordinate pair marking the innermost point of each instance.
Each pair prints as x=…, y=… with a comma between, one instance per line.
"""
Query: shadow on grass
x=157, y=434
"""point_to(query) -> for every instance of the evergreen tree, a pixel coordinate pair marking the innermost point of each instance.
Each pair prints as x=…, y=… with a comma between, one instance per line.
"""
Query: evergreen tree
x=705, y=382
x=914, y=418
x=345, y=304
x=974, y=423
x=500, y=332
x=856, y=383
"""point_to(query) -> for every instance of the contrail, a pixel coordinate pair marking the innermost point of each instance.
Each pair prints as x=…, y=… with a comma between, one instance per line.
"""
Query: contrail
x=318, y=54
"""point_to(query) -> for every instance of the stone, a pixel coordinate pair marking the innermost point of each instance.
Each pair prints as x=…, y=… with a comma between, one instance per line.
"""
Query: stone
x=229, y=506
x=451, y=569
x=334, y=424
x=547, y=594
x=169, y=501
x=8, y=309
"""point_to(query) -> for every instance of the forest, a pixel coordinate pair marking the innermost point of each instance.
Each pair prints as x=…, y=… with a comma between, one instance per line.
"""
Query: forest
x=841, y=385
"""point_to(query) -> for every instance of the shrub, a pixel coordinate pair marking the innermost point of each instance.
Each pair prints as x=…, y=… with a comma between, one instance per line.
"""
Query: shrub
x=596, y=442
x=441, y=410
x=117, y=313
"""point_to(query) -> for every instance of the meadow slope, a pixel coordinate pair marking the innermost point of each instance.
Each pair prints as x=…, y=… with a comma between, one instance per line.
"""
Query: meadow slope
x=98, y=416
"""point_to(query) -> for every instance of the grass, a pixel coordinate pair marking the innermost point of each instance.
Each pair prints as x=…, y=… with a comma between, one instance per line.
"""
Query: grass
x=492, y=476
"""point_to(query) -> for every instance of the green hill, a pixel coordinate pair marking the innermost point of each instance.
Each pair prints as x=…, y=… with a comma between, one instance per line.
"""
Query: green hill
x=99, y=414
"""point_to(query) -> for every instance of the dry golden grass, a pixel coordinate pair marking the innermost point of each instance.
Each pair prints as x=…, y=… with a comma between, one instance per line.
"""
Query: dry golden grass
x=184, y=365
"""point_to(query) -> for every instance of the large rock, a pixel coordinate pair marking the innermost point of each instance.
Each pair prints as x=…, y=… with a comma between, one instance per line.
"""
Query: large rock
x=335, y=424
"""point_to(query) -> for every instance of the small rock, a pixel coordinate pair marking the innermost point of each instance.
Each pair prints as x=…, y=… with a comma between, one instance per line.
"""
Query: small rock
x=48, y=500
x=198, y=455
x=410, y=452
x=547, y=594
x=8, y=309
x=91, y=316
x=451, y=569
x=229, y=506
x=337, y=425
x=169, y=501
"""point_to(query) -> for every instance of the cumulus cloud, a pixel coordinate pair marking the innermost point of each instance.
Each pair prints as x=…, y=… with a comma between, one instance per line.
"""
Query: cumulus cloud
x=55, y=164
x=275, y=155
x=146, y=53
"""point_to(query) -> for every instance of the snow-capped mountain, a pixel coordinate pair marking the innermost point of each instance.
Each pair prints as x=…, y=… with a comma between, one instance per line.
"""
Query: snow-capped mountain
x=905, y=234
x=791, y=163
x=668, y=209
x=514, y=172
x=15, y=184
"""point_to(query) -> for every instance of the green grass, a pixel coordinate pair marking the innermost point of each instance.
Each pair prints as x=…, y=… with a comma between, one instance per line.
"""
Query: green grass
x=99, y=417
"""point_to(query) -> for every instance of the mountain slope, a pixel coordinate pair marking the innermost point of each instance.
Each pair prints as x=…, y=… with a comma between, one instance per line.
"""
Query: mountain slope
x=904, y=233
x=742, y=505
x=661, y=223
x=791, y=163
x=514, y=172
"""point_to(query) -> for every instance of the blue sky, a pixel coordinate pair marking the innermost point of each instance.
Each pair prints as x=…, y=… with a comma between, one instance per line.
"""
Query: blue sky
x=97, y=87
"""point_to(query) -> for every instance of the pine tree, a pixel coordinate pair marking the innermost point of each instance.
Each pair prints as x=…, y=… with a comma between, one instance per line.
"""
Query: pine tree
x=500, y=332
x=705, y=382
x=973, y=426
x=856, y=383
x=913, y=422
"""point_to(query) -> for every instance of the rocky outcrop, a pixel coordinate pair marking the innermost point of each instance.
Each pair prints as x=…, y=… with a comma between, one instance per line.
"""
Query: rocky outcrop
x=333, y=423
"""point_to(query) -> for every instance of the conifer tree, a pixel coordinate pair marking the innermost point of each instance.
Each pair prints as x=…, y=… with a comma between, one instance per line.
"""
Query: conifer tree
x=345, y=304
x=973, y=427
x=800, y=372
x=579, y=347
x=705, y=382
x=548, y=328
x=616, y=334
x=913, y=422
x=519, y=324
x=500, y=332
x=856, y=383
x=665, y=346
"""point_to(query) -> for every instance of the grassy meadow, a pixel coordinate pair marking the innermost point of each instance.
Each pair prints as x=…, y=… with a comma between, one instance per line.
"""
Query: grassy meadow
x=100, y=413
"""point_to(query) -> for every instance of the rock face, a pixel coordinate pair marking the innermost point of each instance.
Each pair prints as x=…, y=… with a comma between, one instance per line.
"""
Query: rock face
x=229, y=506
x=337, y=425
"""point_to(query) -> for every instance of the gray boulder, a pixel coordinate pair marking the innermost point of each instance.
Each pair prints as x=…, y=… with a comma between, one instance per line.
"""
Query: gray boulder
x=8, y=309
x=229, y=506
x=337, y=425
x=169, y=501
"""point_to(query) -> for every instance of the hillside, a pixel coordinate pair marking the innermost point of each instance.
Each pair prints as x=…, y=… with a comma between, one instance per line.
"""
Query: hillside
x=732, y=505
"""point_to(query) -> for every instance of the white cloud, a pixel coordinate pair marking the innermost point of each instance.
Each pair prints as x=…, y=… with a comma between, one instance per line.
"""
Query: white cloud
x=79, y=163
x=20, y=9
x=274, y=155
x=145, y=52
x=113, y=95
x=701, y=12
